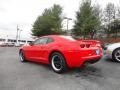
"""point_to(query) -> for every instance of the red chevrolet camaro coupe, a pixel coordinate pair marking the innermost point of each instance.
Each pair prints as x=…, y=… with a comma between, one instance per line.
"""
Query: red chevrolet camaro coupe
x=61, y=52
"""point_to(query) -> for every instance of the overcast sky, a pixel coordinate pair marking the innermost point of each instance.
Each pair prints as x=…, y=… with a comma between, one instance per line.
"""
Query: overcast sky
x=25, y=12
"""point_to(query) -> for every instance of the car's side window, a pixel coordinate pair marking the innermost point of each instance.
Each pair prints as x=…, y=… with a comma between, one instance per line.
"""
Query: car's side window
x=44, y=40
x=36, y=41
x=41, y=41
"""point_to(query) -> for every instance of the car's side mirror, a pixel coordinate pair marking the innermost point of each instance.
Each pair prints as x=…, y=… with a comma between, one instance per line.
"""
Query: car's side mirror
x=31, y=43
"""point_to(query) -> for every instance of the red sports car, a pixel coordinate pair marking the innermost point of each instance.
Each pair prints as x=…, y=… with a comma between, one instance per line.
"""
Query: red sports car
x=61, y=52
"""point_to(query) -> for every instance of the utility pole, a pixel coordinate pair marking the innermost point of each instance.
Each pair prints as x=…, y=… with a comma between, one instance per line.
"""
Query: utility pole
x=17, y=35
x=6, y=40
x=67, y=23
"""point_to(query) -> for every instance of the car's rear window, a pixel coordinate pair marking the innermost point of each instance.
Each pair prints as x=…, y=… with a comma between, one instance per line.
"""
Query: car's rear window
x=68, y=38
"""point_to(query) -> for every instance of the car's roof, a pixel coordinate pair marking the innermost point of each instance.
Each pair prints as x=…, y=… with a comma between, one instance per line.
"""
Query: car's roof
x=65, y=37
x=57, y=36
x=53, y=35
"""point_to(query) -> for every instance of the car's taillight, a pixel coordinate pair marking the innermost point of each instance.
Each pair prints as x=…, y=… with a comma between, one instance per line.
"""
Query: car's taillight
x=82, y=45
x=85, y=45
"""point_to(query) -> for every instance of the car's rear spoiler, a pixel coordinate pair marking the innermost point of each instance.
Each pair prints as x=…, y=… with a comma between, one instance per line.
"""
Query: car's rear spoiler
x=91, y=42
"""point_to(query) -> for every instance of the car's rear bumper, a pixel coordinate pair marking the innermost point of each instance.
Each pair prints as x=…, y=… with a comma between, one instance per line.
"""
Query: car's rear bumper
x=78, y=58
x=91, y=59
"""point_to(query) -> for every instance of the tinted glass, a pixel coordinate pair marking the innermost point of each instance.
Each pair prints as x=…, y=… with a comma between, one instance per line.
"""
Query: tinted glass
x=41, y=41
x=37, y=41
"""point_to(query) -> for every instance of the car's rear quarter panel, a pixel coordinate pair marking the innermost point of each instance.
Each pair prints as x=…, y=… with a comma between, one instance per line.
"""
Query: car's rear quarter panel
x=77, y=58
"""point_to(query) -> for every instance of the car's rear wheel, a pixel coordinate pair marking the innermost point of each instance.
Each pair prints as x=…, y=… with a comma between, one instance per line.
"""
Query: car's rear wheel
x=58, y=63
x=116, y=55
x=22, y=56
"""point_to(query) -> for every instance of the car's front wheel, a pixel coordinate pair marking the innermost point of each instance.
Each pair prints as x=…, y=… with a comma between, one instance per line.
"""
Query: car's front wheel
x=58, y=63
x=22, y=56
x=116, y=55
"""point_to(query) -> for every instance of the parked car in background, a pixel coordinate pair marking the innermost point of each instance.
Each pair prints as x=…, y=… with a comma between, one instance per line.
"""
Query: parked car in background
x=19, y=44
x=61, y=52
x=112, y=51
x=7, y=44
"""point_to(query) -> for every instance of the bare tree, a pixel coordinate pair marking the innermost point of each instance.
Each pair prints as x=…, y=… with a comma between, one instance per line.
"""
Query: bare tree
x=109, y=15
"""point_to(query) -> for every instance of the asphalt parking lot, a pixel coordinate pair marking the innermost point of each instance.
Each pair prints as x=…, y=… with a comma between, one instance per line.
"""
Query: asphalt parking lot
x=14, y=75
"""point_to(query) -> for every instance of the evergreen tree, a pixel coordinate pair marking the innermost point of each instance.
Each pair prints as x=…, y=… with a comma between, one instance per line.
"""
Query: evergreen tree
x=87, y=20
x=50, y=22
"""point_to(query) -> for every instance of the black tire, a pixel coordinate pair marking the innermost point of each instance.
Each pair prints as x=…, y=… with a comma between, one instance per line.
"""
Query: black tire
x=58, y=62
x=22, y=56
x=116, y=55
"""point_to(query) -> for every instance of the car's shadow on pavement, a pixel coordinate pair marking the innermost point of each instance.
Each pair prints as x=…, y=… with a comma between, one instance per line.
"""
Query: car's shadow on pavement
x=90, y=72
x=38, y=64
x=84, y=71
